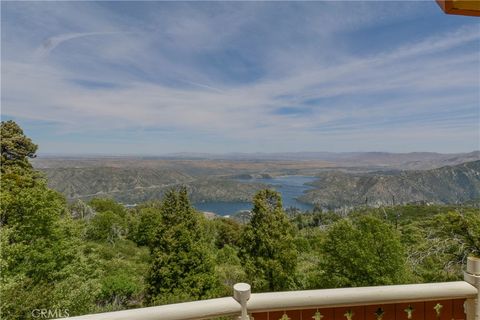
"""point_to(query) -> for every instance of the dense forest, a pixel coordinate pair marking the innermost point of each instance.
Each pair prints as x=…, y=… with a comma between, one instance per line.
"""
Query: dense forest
x=95, y=256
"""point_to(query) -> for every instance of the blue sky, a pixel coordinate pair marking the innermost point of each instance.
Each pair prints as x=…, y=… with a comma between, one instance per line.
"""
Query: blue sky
x=163, y=77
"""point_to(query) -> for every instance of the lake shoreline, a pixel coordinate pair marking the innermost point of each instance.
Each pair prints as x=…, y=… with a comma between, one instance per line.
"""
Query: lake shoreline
x=291, y=187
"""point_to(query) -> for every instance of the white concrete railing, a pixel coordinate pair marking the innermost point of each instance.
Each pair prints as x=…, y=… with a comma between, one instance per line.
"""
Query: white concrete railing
x=360, y=296
x=472, y=276
x=243, y=302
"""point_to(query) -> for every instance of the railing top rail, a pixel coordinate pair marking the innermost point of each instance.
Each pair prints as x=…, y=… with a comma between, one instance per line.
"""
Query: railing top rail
x=324, y=298
x=202, y=309
x=289, y=300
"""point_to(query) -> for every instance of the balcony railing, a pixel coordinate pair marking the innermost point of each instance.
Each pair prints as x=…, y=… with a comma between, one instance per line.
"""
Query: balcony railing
x=432, y=301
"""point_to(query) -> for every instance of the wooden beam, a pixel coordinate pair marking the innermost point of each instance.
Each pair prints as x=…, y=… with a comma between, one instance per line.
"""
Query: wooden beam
x=460, y=7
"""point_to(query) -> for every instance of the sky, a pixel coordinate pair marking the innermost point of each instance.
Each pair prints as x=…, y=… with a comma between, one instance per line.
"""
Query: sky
x=152, y=78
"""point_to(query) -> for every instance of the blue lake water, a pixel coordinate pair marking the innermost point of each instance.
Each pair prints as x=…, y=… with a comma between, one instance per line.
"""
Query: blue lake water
x=290, y=187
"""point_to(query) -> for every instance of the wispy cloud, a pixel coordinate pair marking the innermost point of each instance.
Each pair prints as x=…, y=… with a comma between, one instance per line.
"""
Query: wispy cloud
x=243, y=77
x=51, y=43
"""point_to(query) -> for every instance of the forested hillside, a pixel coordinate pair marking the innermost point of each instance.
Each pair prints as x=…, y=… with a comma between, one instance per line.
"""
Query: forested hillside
x=88, y=182
x=138, y=184
x=450, y=184
x=97, y=256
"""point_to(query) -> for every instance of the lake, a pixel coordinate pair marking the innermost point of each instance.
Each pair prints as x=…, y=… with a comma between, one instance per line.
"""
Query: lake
x=290, y=187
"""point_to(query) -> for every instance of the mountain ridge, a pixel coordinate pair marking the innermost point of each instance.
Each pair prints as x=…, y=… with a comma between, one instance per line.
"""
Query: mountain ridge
x=448, y=184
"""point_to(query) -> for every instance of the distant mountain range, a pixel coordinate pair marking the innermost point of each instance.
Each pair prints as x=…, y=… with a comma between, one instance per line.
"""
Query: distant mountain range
x=413, y=160
x=449, y=184
x=344, y=179
x=377, y=158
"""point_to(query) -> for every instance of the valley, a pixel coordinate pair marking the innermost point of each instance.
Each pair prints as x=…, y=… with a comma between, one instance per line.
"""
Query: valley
x=224, y=185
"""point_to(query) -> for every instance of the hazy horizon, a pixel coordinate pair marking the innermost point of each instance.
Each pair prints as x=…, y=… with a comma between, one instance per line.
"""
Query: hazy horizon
x=219, y=154
x=156, y=78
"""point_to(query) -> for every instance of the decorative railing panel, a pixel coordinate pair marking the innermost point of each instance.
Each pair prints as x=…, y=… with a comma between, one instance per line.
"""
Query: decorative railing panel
x=428, y=310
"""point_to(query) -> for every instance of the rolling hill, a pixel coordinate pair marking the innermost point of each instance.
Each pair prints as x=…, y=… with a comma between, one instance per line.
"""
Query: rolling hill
x=348, y=180
x=134, y=185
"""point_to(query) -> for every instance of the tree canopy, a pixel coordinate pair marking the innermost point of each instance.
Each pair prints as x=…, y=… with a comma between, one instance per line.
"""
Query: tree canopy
x=15, y=145
x=362, y=251
x=182, y=267
x=38, y=242
x=267, y=247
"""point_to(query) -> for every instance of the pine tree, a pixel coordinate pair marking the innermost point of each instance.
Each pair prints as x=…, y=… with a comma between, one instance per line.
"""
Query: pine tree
x=29, y=210
x=36, y=237
x=182, y=267
x=16, y=149
x=267, y=247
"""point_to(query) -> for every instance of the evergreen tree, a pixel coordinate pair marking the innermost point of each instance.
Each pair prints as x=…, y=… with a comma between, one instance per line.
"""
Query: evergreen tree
x=16, y=170
x=29, y=210
x=227, y=232
x=267, y=246
x=38, y=242
x=16, y=148
x=182, y=267
x=148, y=221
